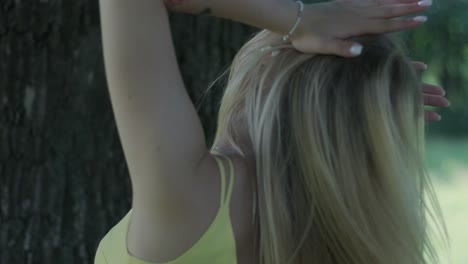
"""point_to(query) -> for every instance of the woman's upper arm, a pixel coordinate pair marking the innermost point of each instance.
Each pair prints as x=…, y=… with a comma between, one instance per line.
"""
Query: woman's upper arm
x=160, y=131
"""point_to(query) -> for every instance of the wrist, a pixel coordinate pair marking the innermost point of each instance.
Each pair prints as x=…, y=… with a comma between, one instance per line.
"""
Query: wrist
x=279, y=16
x=285, y=17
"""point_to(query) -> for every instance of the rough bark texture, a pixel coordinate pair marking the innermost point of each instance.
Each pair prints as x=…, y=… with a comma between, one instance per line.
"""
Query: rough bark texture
x=63, y=178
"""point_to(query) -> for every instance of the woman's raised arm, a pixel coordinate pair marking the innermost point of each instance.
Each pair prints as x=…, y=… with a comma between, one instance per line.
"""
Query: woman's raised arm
x=160, y=131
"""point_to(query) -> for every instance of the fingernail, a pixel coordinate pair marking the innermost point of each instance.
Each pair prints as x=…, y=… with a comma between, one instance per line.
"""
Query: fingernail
x=425, y=66
x=425, y=3
x=420, y=18
x=439, y=117
x=356, y=49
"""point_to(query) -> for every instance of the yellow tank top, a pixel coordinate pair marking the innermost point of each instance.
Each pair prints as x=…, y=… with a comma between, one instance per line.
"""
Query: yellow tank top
x=216, y=246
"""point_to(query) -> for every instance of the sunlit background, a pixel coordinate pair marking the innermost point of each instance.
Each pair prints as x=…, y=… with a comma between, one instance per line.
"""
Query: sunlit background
x=447, y=160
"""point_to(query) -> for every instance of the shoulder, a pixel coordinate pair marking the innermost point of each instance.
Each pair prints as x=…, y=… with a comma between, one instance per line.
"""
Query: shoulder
x=203, y=200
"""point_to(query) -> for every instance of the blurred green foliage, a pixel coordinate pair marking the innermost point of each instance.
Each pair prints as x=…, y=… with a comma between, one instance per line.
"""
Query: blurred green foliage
x=442, y=43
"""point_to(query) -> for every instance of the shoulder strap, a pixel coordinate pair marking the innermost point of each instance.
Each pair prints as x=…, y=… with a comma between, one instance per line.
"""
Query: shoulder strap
x=222, y=176
x=225, y=197
x=231, y=181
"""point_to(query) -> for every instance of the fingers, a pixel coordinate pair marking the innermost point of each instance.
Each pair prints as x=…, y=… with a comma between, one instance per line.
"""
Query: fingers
x=428, y=88
x=419, y=66
x=395, y=10
x=394, y=25
x=435, y=100
x=432, y=89
x=433, y=96
x=431, y=116
x=377, y=2
x=337, y=47
x=396, y=1
x=389, y=16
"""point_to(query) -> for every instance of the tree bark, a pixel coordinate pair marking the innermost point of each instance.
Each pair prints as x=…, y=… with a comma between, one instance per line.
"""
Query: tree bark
x=63, y=178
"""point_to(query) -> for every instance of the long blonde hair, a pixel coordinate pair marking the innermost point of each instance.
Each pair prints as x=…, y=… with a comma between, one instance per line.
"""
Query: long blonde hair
x=338, y=145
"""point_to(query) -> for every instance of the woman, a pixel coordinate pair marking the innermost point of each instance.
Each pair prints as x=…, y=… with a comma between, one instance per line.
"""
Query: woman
x=317, y=159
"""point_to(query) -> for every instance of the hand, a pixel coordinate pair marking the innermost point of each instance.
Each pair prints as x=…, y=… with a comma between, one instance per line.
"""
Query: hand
x=324, y=26
x=433, y=96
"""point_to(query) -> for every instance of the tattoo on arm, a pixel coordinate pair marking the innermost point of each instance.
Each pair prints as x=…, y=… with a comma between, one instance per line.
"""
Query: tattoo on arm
x=173, y=4
x=206, y=12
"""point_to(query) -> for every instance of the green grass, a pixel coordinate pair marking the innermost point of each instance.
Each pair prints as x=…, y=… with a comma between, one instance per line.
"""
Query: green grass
x=447, y=161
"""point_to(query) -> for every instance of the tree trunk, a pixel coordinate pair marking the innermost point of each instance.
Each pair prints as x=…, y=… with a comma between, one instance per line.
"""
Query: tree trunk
x=63, y=178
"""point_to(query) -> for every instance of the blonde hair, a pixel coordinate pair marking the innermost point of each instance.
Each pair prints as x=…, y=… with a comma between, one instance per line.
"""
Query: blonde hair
x=338, y=145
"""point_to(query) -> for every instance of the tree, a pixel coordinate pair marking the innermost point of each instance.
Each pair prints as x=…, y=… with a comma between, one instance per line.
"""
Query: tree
x=63, y=178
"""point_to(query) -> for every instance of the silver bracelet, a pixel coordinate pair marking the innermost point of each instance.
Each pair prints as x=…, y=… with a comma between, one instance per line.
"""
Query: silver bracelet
x=298, y=20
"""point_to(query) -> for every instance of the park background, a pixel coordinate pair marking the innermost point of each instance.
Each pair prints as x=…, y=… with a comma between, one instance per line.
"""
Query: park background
x=63, y=178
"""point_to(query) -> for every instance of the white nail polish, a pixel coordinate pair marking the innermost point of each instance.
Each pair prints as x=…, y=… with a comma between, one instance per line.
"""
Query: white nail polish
x=425, y=3
x=420, y=18
x=356, y=49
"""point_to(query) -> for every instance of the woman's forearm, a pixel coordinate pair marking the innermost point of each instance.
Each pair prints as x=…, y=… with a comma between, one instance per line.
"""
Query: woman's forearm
x=275, y=15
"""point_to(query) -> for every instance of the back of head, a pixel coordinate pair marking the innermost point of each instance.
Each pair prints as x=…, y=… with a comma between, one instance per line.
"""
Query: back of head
x=339, y=145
